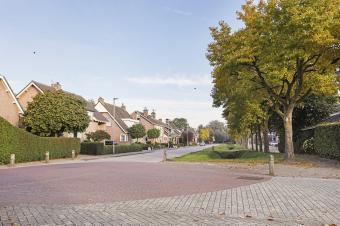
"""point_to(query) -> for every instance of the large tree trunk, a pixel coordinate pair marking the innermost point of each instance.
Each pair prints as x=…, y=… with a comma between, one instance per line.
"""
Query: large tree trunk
x=256, y=141
x=252, y=139
x=289, y=147
x=260, y=137
x=265, y=136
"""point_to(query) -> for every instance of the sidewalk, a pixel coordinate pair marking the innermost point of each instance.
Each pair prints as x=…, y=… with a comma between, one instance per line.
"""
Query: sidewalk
x=79, y=159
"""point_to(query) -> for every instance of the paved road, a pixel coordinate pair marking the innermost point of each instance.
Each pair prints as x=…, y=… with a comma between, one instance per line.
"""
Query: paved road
x=139, y=190
x=280, y=201
x=155, y=156
x=97, y=182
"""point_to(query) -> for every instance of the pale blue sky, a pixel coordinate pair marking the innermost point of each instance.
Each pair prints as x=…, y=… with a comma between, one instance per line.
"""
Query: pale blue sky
x=146, y=52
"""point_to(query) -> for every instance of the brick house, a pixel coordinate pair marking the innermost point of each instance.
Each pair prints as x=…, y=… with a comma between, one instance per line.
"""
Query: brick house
x=173, y=132
x=150, y=122
x=120, y=121
x=97, y=120
x=10, y=108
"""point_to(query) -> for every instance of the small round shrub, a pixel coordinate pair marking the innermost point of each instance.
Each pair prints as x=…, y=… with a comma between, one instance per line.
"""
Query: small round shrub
x=308, y=146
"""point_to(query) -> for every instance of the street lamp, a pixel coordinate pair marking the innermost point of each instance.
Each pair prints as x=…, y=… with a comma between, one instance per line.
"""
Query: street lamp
x=114, y=117
x=187, y=136
x=114, y=107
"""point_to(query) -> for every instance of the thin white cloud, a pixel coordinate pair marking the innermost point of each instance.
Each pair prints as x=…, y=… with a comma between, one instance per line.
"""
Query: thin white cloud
x=176, y=80
x=178, y=11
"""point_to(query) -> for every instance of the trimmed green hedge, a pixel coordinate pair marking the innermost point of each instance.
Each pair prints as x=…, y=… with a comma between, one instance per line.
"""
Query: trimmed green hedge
x=96, y=148
x=125, y=148
x=327, y=140
x=28, y=147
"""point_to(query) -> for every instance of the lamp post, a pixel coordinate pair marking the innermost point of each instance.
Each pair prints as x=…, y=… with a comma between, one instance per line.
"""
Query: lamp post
x=187, y=136
x=114, y=117
x=114, y=107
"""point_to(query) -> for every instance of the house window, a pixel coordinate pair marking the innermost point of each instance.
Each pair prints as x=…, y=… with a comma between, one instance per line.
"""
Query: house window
x=123, y=138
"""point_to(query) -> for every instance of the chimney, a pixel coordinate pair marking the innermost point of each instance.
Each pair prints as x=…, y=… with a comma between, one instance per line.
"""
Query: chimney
x=167, y=121
x=153, y=114
x=160, y=120
x=56, y=86
x=123, y=107
x=145, y=112
x=100, y=99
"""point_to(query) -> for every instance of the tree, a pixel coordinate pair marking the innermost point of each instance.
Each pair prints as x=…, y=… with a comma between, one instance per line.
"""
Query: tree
x=218, y=130
x=204, y=134
x=98, y=135
x=287, y=50
x=181, y=123
x=53, y=113
x=137, y=131
x=153, y=133
x=187, y=137
x=314, y=109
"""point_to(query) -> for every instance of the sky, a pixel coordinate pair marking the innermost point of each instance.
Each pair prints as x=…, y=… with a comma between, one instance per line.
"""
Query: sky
x=147, y=53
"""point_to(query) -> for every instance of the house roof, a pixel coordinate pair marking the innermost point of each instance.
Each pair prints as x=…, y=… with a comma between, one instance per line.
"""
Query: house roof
x=152, y=120
x=12, y=93
x=333, y=118
x=120, y=114
x=47, y=88
x=99, y=117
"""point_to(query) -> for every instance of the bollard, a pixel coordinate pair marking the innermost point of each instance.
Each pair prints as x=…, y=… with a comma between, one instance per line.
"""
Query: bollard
x=164, y=155
x=47, y=157
x=12, y=160
x=271, y=165
x=213, y=148
x=73, y=154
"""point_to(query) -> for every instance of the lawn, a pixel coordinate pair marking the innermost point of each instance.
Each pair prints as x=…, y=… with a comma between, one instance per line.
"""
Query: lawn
x=229, y=153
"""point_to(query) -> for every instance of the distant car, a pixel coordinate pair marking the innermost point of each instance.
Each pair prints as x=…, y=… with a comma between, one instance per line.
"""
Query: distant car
x=274, y=144
x=202, y=144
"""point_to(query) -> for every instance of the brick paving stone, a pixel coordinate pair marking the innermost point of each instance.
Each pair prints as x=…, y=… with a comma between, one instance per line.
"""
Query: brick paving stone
x=280, y=201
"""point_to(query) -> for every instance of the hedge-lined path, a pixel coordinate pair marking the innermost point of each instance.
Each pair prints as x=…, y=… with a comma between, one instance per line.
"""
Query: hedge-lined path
x=279, y=201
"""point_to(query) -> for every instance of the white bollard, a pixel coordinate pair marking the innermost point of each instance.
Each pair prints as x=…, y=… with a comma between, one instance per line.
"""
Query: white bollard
x=164, y=155
x=73, y=154
x=12, y=160
x=271, y=165
x=47, y=157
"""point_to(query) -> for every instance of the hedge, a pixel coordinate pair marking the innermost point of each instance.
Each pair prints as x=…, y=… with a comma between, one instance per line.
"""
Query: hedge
x=125, y=148
x=327, y=140
x=97, y=148
x=28, y=147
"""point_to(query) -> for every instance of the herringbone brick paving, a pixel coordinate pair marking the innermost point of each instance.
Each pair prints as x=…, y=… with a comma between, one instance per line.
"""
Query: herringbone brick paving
x=279, y=201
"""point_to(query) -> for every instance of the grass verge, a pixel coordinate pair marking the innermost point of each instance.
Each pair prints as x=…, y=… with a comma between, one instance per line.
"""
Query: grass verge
x=229, y=153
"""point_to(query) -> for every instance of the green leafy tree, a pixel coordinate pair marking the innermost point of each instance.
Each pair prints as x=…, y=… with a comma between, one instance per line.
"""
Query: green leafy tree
x=153, y=133
x=287, y=50
x=181, y=123
x=187, y=137
x=314, y=109
x=53, y=113
x=98, y=135
x=137, y=131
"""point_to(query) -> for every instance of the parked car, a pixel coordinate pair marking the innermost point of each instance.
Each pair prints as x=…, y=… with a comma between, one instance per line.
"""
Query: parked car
x=274, y=144
x=202, y=144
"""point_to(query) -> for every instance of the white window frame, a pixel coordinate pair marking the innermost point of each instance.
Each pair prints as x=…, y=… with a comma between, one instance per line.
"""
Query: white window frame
x=124, y=136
